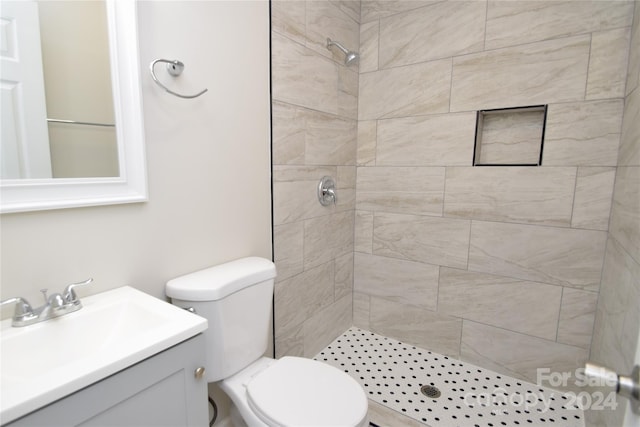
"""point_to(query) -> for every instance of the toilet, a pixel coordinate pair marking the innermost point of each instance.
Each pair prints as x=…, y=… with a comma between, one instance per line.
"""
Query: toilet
x=236, y=300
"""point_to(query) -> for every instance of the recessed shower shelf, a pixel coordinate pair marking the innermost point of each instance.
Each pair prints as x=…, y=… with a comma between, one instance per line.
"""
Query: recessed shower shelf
x=510, y=136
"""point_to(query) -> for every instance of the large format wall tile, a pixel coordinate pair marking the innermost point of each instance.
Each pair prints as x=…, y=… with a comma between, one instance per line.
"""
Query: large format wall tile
x=361, y=310
x=625, y=215
x=629, y=147
x=376, y=9
x=363, y=233
x=326, y=324
x=383, y=179
x=343, y=278
x=512, y=23
x=618, y=313
x=442, y=30
x=607, y=64
x=303, y=136
x=633, y=70
x=300, y=76
x=294, y=192
x=527, y=307
x=583, y=133
x=538, y=73
x=327, y=237
x=517, y=354
x=288, y=19
x=315, y=104
x=413, y=325
x=289, y=239
x=288, y=124
x=577, y=315
x=406, y=282
x=350, y=7
x=618, y=323
x=514, y=194
x=346, y=183
x=401, y=202
x=436, y=140
x=369, y=33
x=299, y=297
x=366, y=152
x=439, y=241
x=552, y=255
x=290, y=342
x=592, y=201
x=348, y=81
x=413, y=190
x=326, y=19
x=405, y=91
x=330, y=140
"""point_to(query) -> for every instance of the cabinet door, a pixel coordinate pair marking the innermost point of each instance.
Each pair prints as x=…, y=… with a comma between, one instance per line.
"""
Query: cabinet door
x=159, y=391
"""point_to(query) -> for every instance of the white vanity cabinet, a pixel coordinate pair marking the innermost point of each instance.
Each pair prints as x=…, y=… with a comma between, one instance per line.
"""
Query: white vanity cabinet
x=162, y=390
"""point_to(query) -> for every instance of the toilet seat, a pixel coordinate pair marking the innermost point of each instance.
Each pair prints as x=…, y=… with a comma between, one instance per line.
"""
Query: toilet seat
x=295, y=391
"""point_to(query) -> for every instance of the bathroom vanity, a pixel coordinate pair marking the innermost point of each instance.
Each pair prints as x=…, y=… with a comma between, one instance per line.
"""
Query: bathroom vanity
x=159, y=391
x=126, y=358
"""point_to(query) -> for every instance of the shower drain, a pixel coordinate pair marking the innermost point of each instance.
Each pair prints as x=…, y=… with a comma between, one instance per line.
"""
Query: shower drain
x=439, y=391
x=430, y=391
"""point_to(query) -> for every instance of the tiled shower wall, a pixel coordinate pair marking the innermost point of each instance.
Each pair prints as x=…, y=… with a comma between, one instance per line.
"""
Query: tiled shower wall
x=499, y=266
x=618, y=314
x=314, y=134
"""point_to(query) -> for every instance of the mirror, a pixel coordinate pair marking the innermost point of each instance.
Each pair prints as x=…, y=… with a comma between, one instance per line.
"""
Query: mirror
x=95, y=159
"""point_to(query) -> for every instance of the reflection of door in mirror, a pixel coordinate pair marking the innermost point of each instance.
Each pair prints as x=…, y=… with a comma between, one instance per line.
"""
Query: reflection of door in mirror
x=75, y=56
x=79, y=122
x=25, y=143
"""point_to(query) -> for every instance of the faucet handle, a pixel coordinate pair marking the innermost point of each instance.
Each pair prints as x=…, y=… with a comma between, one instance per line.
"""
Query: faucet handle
x=69, y=294
x=327, y=191
x=23, y=308
x=56, y=301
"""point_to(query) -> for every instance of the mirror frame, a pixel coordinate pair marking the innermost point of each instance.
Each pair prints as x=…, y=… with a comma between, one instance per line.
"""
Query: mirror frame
x=130, y=186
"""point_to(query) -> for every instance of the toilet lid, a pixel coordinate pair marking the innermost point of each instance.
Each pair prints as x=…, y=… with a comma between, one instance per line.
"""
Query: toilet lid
x=302, y=392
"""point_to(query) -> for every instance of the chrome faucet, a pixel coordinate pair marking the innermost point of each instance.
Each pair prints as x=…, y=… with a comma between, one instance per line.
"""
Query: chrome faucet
x=55, y=305
x=327, y=191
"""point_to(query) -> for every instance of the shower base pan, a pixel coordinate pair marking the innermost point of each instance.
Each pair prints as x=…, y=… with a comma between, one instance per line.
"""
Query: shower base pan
x=439, y=391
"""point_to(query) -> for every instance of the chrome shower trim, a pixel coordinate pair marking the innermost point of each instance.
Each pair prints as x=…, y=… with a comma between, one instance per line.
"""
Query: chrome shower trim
x=351, y=57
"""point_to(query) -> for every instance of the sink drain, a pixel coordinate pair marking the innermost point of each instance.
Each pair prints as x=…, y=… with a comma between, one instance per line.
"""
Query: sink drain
x=430, y=391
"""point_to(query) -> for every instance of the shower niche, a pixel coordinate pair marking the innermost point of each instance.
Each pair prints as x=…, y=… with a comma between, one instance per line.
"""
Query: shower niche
x=510, y=136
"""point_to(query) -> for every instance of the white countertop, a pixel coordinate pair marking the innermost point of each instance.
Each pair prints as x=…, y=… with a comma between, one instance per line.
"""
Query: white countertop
x=113, y=330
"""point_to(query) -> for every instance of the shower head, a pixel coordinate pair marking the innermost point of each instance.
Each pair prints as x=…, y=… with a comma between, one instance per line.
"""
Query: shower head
x=351, y=57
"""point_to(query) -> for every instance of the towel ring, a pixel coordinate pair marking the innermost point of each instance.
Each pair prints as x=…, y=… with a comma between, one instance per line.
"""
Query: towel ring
x=175, y=68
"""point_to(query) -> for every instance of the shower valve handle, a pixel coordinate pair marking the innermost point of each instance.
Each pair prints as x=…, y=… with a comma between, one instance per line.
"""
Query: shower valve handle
x=327, y=191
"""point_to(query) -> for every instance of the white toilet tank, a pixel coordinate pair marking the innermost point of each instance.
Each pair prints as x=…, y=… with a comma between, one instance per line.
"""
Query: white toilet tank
x=236, y=299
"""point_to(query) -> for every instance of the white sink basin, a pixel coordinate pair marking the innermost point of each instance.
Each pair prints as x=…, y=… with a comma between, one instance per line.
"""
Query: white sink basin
x=113, y=330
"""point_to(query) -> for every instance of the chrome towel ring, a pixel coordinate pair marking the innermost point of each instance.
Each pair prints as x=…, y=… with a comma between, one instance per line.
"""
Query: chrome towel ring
x=175, y=68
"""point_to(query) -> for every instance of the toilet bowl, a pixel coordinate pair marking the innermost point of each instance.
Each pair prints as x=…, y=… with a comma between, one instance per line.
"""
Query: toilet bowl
x=291, y=391
x=294, y=391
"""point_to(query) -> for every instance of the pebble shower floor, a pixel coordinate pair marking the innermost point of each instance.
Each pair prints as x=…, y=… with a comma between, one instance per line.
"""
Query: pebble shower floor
x=393, y=373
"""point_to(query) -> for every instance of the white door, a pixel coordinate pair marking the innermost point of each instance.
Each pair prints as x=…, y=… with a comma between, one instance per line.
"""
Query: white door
x=25, y=140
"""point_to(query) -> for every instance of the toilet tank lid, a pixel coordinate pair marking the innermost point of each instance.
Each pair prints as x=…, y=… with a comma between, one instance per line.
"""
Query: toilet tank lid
x=214, y=283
